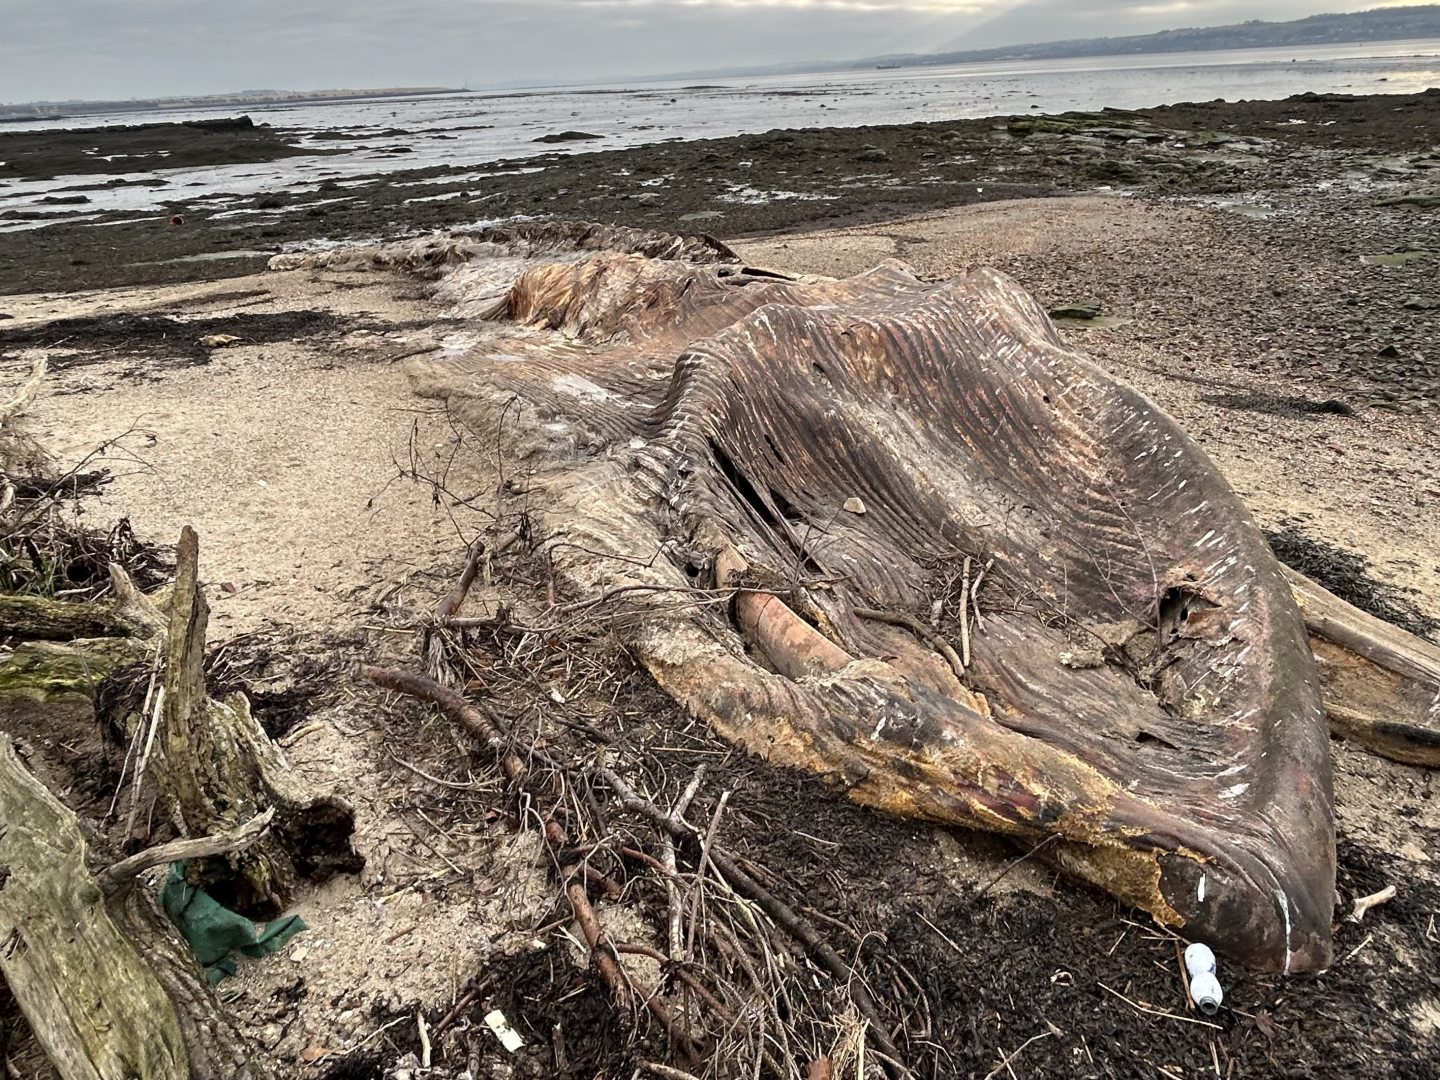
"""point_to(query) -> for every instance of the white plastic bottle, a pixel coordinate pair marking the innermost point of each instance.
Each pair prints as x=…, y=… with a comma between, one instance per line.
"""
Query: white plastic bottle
x=1204, y=985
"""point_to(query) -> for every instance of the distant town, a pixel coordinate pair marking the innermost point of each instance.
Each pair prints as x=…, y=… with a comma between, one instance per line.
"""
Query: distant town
x=50, y=110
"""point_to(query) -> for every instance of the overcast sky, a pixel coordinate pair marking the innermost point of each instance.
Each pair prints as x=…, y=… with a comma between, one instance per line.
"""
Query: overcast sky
x=58, y=49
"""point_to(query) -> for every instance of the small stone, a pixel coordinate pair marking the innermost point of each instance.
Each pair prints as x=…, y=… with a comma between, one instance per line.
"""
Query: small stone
x=1081, y=309
x=854, y=505
x=1389, y=352
x=873, y=154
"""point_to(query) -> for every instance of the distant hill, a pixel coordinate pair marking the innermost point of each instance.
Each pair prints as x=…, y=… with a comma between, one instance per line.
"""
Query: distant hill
x=1381, y=24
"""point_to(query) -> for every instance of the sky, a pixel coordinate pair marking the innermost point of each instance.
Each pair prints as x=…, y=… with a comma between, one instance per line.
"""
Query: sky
x=65, y=49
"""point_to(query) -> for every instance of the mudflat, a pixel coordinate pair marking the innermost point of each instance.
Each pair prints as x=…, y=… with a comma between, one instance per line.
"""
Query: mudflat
x=1359, y=149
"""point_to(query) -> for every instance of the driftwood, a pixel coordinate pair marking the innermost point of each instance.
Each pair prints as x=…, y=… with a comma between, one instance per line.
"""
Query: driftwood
x=1381, y=685
x=66, y=649
x=91, y=1000
x=109, y=988
x=1141, y=690
x=221, y=770
x=56, y=620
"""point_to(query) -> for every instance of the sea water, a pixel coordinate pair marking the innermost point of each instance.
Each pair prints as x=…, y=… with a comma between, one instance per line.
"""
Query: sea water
x=485, y=126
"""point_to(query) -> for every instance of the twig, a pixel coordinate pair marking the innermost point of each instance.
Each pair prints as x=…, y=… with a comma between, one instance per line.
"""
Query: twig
x=699, y=886
x=454, y=705
x=776, y=908
x=1011, y=865
x=130, y=751
x=683, y=974
x=667, y=858
x=975, y=595
x=461, y=1005
x=1356, y=951
x=200, y=847
x=965, y=615
x=1150, y=1010
x=450, y=604
x=943, y=936
x=666, y=1072
x=144, y=762
x=1008, y=1058
x=435, y=779
x=487, y=622
x=920, y=630
x=424, y=1039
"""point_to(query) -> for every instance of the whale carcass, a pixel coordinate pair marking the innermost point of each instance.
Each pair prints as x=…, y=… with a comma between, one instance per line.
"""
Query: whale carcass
x=959, y=570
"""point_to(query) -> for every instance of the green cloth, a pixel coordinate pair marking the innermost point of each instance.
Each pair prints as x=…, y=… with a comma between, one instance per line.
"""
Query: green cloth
x=216, y=932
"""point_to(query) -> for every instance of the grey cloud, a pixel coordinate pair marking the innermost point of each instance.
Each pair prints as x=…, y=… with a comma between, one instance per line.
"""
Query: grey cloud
x=124, y=48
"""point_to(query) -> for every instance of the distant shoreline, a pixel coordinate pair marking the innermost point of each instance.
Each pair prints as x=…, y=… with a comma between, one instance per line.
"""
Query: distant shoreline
x=66, y=110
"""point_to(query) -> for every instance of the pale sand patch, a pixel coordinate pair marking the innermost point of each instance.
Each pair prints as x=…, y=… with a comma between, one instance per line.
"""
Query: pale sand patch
x=282, y=456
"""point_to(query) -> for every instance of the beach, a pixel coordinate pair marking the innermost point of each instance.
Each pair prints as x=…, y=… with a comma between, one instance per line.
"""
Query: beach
x=1265, y=271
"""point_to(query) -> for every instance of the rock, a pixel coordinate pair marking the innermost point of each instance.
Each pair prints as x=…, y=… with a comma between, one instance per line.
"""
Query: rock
x=1389, y=352
x=566, y=136
x=1415, y=303
x=1081, y=309
x=854, y=505
x=1417, y=199
x=874, y=153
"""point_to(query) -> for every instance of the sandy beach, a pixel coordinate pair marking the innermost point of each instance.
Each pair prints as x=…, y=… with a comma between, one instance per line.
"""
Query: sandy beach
x=1266, y=272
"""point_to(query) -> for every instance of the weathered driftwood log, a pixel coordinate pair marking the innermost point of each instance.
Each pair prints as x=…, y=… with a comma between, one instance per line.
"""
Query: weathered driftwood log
x=108, y=1001
x=110, y=990
x=64, y=648
x=56, y=620
x=222, y=770
x=50, y=670
x=1142, y=691
x=215, y=765
x=1381, y=685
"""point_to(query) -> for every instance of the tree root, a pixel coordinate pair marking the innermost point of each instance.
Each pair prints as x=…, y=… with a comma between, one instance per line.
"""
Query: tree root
x=602, y=954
